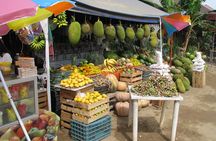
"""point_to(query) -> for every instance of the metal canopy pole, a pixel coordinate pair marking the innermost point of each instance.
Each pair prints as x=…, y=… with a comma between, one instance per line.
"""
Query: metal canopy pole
x=14, y=107
x=161, y=39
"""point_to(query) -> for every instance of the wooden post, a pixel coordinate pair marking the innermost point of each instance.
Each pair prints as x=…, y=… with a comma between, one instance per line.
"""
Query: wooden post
x=198, y=79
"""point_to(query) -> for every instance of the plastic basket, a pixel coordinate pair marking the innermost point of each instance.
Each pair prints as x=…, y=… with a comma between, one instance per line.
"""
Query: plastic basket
x=92, y=132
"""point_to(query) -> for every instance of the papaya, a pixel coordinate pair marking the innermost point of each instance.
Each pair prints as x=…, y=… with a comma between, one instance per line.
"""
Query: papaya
x=177, y=63
x=98, y=29
x=180, y=86
x=175, y=71
x=177, y=76
x=74, y=32
x=186, y=84
x=182, y=70
x=185, y=60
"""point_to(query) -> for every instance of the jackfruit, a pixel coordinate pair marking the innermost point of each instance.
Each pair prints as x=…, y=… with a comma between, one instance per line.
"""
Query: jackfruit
x=154, y=42
x=120, y=33
x=182, y=70
x=186, y=84
x=74, y=32
x=153, y=34
x=186, y=79
x=177, y=63
x=146, y=30
x=85, y=28
x=177, y=76
x=130, y=33
x=180, y=86
x=110, y=32
x=98, y=29
x=140, y=33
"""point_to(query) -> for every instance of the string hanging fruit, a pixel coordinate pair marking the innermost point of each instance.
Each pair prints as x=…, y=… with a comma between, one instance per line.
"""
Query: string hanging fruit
x=120, y=32
x=98, y=29
x=130, y=33
x=74, y=32
x=110, y=32
x=140, y=33
x=85, y=27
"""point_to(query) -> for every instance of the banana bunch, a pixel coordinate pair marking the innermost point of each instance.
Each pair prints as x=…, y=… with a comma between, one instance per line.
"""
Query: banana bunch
x=60, y=20
x=38, y=43
x=109, y=69
x=110, y=62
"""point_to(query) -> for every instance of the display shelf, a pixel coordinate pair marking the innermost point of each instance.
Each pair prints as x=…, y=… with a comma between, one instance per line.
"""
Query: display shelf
x=25, y=94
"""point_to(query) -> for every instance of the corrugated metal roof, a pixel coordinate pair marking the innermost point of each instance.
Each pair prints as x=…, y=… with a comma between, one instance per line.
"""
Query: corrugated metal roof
x=126, y=7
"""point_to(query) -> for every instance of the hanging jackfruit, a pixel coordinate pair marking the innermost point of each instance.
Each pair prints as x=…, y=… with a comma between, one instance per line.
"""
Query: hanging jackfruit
x=130, y=33
x=154, y=42
x=98, y=29
x=74, y=32
x=140, y=33
x=110, y=32
x=120, y=32
x=85, y=28
x=146, y=30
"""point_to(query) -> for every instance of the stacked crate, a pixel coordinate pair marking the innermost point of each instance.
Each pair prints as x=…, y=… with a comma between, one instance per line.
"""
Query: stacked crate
x=26, y=67
x=131, y=79
x=42, y=100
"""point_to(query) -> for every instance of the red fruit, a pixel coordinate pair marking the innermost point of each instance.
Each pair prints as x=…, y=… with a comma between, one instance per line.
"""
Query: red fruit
x=14, y=138
x=28, y=126
x=37, y=139
x=40, y=124
x=44, y=117
x=22, y=109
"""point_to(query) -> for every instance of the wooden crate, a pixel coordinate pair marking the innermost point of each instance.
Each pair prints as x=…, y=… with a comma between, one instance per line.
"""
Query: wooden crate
x=89, y=120
x=112, y=101
x=89, y=113
x=42, y=100
x=89, y=106
x=66, y=115
x=131, y=78
x=25, y=62
x=198, y=79
x=26, y=72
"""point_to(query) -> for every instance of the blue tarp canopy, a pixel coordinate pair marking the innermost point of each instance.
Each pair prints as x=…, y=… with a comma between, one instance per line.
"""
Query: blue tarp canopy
x=129, y=10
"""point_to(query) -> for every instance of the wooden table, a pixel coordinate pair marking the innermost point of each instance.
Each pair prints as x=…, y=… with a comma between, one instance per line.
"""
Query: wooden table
x=133, y=113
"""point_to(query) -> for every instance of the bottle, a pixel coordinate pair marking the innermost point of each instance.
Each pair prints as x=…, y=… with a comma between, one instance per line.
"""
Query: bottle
x=16, y=59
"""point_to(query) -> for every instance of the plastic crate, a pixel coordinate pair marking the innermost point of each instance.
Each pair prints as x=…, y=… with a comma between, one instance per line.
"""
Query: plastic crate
x=95, y=131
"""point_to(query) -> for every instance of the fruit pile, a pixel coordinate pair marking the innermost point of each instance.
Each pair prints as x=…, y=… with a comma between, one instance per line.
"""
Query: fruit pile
x=90, y=69
x=156, y=85
x=110, y=65
x=101, y=83
x=135, y=62
x=95, y=115
x=147, y=60
x=182, y=71
x=46, y=126
x=76, y=80
x=90, y=97
x=66, y=68
x=122, y=62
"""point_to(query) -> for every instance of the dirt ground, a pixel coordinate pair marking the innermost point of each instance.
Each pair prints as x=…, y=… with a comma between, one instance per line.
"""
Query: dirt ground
x=197, y=118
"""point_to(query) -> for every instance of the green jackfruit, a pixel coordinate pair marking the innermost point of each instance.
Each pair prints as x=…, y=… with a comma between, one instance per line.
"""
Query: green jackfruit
x=186, y=79
x=175, y=71
x=186, y=60
x=154, y=42
x=180, y=86
x=146, y=30
x=182, y=70
x=130, y=33
x=110, y=32
x=186, y=84
x=140, y=33
x=192, y=56
x=120, y=33
x=177, y=63
x=74, y=32
x=150, y=60
x=85, y=28
x=98, y=29
x=153, y=34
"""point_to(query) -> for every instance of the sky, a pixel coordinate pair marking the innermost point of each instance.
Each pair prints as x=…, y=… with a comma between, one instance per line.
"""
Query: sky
x=211, y=3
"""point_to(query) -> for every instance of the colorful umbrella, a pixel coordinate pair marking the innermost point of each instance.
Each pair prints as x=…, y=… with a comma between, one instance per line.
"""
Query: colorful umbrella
x=175, y=22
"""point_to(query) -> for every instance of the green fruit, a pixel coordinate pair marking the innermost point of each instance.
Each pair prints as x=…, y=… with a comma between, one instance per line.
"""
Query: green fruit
x=130, y=33
x=140, y=33
x=110, y=32
x=11, y=116
x=74, y=33
x=35, y=132
x=186, y=84
x=153, y=34
x=188, y=54
x=187, y=80
x=192, y=56
x=175, y=71
x=146, y=30
x=142, y=56
x=154, y=42
x=182, y=70
x=3, y=96
x=177, y=63
x=142, y=61
x=98, y=29
x=85, y=28
x=186, y=60
x=177, y=76
x=180, y=86
x=120, y=33
x=150, y=60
